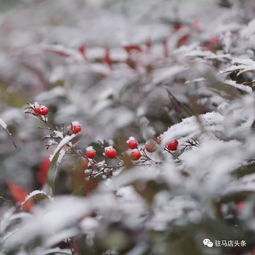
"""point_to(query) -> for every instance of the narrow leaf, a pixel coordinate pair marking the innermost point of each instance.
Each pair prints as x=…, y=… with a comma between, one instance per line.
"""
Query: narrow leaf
x=56, y=159
x=20, y=195
x=36, y=195
x=4, y=126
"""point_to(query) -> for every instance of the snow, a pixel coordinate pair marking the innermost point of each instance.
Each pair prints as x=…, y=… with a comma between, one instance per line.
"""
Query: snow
x=203, y=98
x=34, y=194
x=3, y=124
x=192, y=127
x=67, y=139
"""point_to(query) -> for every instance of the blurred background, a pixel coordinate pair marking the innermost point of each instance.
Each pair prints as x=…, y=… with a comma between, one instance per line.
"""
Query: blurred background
x=71, y=56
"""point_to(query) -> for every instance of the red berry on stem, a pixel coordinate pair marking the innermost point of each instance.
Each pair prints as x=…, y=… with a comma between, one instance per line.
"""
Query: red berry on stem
x=150, y=147
x=110, y=152
x=37, y=108
x=41, y=109
x=173, y=145
x=132, y=143
x=44, y=110
x=136, y=154
x=91, y=152
x=76, y=127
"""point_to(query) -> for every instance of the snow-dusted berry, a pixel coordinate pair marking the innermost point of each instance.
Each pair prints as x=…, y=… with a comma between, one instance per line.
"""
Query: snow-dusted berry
x=90, y=152
x=41, y=109
x=132, y=143
x=173, y=145
x=150, y=147
x=75, y=127
x=136, y=154
x=110, y=152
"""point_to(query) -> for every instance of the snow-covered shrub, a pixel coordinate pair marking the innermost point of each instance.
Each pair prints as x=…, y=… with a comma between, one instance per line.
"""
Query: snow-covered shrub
x=127, y=127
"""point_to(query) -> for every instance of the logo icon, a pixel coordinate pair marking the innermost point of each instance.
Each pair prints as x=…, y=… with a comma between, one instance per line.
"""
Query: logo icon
x=207, y=242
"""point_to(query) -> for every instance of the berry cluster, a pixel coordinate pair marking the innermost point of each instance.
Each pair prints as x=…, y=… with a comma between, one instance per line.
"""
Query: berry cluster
x=101, y=164
x=139, y=154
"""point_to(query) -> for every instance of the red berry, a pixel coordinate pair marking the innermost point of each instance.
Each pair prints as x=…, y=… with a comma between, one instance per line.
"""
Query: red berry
x=150, y=147
x=136, y=154
x=44, y=110
x=132, y=143
x=76, y=127
x=90, y=152
x=110, y=152
x=41, y=109
x=173, y=145
x=38, y=109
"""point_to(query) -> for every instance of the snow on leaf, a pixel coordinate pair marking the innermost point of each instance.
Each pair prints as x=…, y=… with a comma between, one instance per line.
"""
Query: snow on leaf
x=9, y=217
x=173, y=210
x=168, y=73
x=56, y=158
x=4, y=126
x=61, y=235
x=241, y=66
x=54, y=251
x=190, y=127
x=48, y=221
x=208, y=55
x=35, y=195
x=208, y=164
x=240, y=186
x=249, y=30
x=241, y=87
